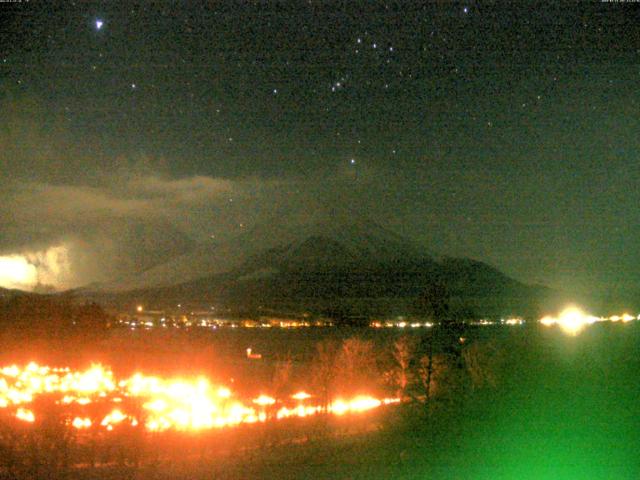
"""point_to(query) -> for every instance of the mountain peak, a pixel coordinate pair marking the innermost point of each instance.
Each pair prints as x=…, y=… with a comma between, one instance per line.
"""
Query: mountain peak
x=330, y=235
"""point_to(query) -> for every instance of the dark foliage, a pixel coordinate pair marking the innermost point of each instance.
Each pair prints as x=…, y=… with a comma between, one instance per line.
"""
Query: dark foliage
x=38, y=316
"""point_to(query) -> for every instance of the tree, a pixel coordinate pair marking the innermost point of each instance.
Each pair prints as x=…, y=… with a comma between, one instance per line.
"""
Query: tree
x=432, y=370
x=281, y=379
x=323, y=371
x=403, y=351
x=447, y=334
x=357, y=369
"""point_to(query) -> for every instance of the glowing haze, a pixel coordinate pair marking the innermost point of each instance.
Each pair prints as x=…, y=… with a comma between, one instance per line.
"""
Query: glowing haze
x=167, y=403
x=39, y=269
x=17, y=272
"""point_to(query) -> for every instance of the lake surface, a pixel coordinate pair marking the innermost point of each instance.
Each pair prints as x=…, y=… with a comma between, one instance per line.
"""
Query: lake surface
x=569, y=409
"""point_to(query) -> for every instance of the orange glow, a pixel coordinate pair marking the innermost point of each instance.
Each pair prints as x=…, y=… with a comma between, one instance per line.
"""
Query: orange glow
x=168, y=403
x=361, y=403
x=224, y=392
x=26, y=415
x=301, y=396
x=81, y=422
x=115, y=417
x=264, y=400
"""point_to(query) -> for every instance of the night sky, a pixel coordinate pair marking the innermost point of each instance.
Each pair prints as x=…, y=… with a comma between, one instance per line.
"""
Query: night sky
x=505, y=133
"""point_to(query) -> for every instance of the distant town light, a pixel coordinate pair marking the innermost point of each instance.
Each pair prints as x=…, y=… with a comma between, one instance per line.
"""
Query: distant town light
x=572, y=320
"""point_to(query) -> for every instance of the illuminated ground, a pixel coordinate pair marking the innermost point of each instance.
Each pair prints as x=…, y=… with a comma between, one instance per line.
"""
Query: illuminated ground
x=568, y=409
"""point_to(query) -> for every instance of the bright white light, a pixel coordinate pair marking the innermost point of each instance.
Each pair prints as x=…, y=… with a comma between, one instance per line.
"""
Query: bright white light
x=572, y=320
x=28, y=269
x=17, y=272
x=99, y=24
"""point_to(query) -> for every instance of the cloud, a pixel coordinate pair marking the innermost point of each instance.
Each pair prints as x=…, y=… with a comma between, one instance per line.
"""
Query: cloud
x=105, y=228
x=77, y=215
x=70, y=202
x=185, y=190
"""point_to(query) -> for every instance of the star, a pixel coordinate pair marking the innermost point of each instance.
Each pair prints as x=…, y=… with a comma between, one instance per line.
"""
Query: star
x=352, y=161
x=99, y=24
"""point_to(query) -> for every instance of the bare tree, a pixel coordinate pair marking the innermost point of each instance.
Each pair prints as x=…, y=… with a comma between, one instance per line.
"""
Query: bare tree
x=432, y=370
x=401, y=375
x=323, y=371
x=281, y=379
x=357, y=368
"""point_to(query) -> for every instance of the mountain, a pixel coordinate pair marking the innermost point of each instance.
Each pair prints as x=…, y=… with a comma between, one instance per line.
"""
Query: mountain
x=355, y=233
x=362, y=271
x=8, y=293
x=332, y=263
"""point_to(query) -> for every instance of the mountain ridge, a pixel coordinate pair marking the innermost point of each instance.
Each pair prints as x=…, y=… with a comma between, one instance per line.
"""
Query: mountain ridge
x=353, y=231
x=324, y=276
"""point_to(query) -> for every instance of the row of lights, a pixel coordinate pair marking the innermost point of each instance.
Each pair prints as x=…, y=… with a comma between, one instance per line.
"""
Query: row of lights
x=572, y=320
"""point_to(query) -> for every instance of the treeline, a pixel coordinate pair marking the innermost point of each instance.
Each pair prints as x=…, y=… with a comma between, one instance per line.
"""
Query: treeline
x=441, y=365
x=49, y=317
x=430, y=369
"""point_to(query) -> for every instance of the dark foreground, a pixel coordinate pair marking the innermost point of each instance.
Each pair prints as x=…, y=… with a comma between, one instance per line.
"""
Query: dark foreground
x=564, y=408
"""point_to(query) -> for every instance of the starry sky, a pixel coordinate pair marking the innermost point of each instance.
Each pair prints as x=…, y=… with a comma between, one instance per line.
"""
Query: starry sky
x=505, y=132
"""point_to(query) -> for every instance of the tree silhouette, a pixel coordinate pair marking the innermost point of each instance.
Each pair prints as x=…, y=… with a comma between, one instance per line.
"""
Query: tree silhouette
x=323, y=371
